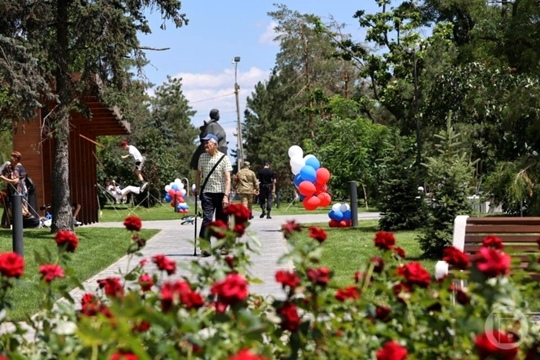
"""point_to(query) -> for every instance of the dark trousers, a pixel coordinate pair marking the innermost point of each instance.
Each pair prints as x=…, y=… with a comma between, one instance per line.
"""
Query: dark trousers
x=210, y=203
x=265, y=197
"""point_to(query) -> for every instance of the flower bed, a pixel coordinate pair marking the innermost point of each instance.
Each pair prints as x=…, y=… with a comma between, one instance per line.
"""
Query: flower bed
x=212, y=314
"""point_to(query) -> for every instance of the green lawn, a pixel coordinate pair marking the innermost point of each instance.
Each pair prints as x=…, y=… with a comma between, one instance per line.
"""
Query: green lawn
x=98, y=248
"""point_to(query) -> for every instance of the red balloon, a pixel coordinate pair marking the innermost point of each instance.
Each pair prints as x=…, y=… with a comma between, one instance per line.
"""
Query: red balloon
x=306, y=188
x=171, y=192
x=333, y=223
x=325, y=198
x=323, y=175
x=311, y=202
x=343, y=223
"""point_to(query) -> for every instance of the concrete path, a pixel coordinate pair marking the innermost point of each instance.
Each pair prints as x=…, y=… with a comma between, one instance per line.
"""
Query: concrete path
x=176, y=242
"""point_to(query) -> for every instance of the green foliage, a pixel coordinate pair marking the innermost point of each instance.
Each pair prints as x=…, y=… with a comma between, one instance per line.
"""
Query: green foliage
x=350, y=148
x=449, y=179
x=403, y=205
x=210, y=313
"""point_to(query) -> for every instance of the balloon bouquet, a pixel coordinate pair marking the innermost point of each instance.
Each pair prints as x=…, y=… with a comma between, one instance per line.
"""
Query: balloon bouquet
x=340, y=215
x=175, y=192
x=310, y=179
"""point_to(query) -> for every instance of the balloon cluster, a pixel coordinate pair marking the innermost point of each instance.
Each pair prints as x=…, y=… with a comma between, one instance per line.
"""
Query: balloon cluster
x=175, y=192
x=340, y=215
x=309, y=178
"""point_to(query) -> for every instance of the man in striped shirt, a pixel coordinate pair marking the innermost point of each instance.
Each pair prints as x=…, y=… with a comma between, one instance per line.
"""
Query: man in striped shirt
x=215, y=195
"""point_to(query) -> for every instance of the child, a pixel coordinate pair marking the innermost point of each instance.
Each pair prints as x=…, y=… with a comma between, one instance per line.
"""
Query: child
x=139, y=161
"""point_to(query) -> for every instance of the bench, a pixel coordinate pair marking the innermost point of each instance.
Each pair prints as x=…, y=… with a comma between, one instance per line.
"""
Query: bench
x=519, y=236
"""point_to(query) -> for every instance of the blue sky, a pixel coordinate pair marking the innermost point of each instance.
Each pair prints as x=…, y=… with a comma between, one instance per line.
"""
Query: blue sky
x=201, y=53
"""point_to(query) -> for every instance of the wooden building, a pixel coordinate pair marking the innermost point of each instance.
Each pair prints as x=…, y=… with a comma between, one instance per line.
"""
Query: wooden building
x=37, y=151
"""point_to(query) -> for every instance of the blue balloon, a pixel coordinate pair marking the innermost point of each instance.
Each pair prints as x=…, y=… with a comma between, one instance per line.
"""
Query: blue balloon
x=308, y=173
x=302, y=197
x=347, y=215
x=297, y=180
x=168, y=198
x=313, y=162
x=178, y=207
x=335, y=215
x=175, y=187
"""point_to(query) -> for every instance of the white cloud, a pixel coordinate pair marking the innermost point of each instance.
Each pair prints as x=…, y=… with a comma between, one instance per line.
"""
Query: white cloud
x=206, y=91
x=268, y=36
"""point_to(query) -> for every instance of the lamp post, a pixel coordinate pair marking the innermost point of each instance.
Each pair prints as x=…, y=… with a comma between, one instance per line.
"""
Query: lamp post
x=239, y=146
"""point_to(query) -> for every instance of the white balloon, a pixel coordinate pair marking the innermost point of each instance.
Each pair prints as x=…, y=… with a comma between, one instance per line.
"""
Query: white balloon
x=308, y=156
x=181, y=185
x=297, y=163
x=167, y=188
x=344, y=207
x=336, y=207
x=295, y=151
x=183, y=192
x=177, y=181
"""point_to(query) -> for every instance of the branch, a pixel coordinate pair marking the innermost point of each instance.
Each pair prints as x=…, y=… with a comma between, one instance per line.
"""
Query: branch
x=152, y=48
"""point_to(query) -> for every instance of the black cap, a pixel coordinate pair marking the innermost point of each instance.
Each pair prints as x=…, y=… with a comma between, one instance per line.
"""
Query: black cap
x=214, y=114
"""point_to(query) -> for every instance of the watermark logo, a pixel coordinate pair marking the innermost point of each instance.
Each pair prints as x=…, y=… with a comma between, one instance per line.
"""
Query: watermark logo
x=515, y=323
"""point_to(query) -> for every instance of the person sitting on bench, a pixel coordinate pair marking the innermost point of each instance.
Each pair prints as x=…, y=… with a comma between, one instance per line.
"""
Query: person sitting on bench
x=119, y=193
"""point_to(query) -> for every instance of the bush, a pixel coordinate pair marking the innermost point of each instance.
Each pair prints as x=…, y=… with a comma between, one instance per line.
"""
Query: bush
x=211, y=313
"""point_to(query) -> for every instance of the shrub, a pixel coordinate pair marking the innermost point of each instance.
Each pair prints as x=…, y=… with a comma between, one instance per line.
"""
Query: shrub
x=212, y=314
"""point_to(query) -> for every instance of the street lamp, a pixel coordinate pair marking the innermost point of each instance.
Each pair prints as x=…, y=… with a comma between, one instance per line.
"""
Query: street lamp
x=239, y=146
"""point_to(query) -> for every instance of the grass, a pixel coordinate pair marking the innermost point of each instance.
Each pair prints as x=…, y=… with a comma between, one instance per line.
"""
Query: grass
x=347, y=250
x=98, y=248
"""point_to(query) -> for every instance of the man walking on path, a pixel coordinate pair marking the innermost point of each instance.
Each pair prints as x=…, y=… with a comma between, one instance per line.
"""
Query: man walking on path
x=246, y=186
x=139, y=161
x=267, y=189
x=215, y=172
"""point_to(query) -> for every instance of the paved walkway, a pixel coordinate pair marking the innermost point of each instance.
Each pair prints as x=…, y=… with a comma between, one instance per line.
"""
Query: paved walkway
x=176, y=242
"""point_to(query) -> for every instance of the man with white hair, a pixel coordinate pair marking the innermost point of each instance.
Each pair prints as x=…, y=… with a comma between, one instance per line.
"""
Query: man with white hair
x=214, y=170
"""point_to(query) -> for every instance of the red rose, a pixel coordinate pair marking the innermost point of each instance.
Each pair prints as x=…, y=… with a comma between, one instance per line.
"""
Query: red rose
x=350, y=292
x=399, y=252
x=289, y=228
x=164, y=264
x=456, y=258
x=496, y=344
x=290, y=320
x=133, y=223
x=392, y=351
x=239, y=229
x=90, y=305
x=317, y=233
x=141, y=327
x=415, y=273
x=232, y=290
x=112, y=286
x=245, y=354
x=382, y=312
x=319, y=276
x=287, y=278
x=241, y=213
x=460, y=295
x=384, y=240
x=123, y=355
x=492, y=262
x=146, y=282
x=218, y=229
x=49, y=272
x=378, y=263
x=67, y=239
x=11, y=264
x=493, y=242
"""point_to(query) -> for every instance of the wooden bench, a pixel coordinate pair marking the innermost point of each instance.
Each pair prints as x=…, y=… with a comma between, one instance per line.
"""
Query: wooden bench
x=518, y=234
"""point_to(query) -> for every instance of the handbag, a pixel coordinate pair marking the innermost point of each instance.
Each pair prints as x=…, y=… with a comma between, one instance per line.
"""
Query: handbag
x=208, y=176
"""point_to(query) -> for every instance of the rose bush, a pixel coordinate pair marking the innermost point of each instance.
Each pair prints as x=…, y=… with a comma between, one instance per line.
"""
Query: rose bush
x=392, y=309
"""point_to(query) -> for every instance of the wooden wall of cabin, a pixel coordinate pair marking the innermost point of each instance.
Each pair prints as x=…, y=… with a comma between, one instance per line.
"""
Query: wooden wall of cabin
x=38, y=159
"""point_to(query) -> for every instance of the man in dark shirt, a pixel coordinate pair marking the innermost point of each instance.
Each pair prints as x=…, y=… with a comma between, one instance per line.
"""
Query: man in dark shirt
x=267, y=189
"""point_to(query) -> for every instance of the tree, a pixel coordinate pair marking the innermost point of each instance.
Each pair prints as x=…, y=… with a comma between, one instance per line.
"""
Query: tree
x=53, y=30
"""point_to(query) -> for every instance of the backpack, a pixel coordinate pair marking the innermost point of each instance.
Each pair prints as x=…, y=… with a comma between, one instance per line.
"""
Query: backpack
x=30, y=186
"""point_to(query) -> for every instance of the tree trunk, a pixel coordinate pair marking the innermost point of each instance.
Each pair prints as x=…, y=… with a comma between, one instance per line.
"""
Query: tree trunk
x=62, y=219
